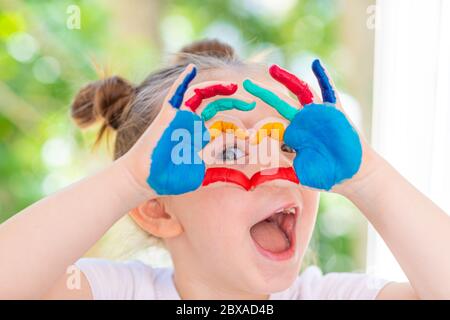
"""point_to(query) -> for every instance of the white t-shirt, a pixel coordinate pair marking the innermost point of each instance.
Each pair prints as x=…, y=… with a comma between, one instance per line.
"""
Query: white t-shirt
x=134, y=280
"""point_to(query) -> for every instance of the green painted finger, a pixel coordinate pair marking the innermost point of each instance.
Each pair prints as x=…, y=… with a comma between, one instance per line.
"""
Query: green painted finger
x=283, y=108
x=225, y=104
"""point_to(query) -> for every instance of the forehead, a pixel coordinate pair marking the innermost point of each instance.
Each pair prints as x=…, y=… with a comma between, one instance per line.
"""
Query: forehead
x=237, y=74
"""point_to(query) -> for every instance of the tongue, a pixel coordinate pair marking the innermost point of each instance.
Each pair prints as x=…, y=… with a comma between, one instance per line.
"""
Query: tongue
x=270, y=236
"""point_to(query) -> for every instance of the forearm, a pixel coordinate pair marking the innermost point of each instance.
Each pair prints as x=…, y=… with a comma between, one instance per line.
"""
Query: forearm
x=39, y=243
x=416, y=230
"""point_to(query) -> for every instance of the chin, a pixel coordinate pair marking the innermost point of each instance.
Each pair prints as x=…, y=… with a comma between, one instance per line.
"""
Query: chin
x=277, y=283
x=274, y=238
x=277, y=276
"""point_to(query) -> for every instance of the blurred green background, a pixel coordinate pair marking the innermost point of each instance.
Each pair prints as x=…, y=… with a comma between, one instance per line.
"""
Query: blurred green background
x=49, y=49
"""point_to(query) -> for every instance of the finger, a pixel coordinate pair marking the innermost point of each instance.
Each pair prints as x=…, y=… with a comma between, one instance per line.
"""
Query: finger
x=337, y=103
x=225, y=104
x=178, y=89
x=174, y=98
x=328, y=93
x=281, y=106
x=293, y=83
x=208, y=92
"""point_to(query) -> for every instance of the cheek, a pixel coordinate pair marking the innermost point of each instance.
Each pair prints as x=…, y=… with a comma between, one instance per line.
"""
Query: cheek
x=308, y=216
x=211, y=216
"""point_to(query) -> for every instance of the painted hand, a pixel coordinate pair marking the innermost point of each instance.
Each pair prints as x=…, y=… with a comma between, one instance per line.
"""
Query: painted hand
x=172, y=143
x=176, y=167
x=328, y=149
x=327, y=146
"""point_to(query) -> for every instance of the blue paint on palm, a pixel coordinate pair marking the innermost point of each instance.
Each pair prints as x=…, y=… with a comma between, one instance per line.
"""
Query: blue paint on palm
x=173, y=173
x=328, y=148
x=176, y=167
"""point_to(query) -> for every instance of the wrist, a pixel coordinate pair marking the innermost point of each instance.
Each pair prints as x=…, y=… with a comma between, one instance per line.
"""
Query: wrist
x=369, y=176
x=129, y=189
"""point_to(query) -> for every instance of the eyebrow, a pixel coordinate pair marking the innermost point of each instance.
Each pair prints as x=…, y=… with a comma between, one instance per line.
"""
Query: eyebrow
x=283, y=108
x=208, y=92
x=225, y=104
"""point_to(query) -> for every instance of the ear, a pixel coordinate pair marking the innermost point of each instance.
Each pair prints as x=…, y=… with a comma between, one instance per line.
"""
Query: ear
x=152, y=217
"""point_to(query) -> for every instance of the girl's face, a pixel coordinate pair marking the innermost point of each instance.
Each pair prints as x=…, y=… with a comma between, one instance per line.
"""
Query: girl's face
x=243, y=241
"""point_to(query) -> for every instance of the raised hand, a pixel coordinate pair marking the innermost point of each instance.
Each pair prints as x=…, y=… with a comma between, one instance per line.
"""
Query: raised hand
x=327, y=146
x=328, y=149
x=172, y=143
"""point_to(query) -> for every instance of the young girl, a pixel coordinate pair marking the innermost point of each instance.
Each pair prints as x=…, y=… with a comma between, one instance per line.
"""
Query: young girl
x=234, y=229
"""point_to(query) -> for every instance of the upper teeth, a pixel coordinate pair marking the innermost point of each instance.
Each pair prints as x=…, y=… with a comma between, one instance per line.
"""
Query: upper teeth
x=288, y=211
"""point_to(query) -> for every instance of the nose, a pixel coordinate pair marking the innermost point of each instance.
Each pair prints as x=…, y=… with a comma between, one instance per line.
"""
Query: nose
x=246, y=154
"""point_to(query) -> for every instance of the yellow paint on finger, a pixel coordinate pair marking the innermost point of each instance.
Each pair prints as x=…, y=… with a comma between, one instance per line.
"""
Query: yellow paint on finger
x=218, y=127
x=275, y=130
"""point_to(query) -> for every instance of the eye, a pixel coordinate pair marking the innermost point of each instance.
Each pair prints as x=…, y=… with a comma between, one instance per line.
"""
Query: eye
x=286, y=148
x=232, y=153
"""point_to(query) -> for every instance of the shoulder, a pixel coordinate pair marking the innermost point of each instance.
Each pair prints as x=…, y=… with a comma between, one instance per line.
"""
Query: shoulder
x=312, y=284
x=112, y=280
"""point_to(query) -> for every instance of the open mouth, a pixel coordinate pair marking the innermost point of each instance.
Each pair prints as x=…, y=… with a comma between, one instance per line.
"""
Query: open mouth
x=274, y=236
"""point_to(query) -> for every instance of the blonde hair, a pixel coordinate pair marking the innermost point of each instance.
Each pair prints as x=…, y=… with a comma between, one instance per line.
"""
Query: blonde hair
x=127, y=109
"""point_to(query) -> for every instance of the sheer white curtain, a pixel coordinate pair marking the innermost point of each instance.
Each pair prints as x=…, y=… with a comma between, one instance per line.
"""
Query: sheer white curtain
x=411, y=114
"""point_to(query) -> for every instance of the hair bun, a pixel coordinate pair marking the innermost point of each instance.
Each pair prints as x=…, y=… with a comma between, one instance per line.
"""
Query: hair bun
x=105, y=99
x=206, y=47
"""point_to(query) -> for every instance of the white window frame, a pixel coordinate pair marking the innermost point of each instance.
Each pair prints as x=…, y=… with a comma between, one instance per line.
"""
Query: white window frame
x=411, y=113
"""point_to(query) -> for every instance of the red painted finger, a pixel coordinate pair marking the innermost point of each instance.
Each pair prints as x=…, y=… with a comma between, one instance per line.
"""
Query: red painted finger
x=208, y=92
x=294, y=84
x=229, y=175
